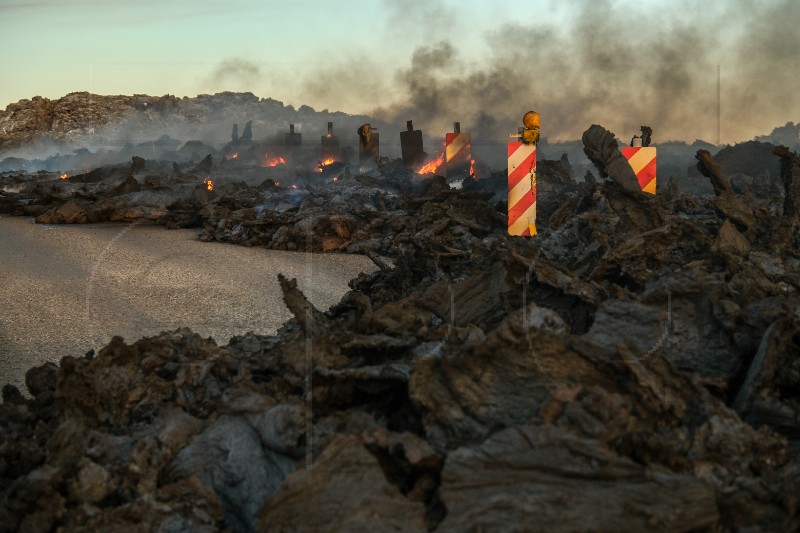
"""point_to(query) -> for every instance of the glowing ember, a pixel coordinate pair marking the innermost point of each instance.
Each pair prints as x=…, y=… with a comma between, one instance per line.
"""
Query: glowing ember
x=472, y=169
x=431, y=166
x=294, y=186
x=209, y=184
x=277, y=183
x=323, y=164
x=335, y=179
x=274, y=161
x=63, y=176
x=329, y=135
x=234, y=156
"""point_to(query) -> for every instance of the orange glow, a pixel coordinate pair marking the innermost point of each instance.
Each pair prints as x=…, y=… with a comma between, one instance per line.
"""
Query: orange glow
x=63, y=176
x=323, y=164
x=274, y=161
x=329, y=135
x=234, y=156
x=431, y=166
x=472, y=169
x=209, y=184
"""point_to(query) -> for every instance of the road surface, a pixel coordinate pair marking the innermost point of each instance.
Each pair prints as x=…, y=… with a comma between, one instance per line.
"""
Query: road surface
x=67, y=289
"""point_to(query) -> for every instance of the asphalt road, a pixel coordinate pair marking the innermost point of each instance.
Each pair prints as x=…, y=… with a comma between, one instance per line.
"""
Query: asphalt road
x=67, y=289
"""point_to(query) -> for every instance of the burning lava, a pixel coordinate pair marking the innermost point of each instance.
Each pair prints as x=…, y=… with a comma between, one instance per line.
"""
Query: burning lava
x=323, y=164
x=63, y=176
x=431, y=166
x=274, y=161
x=209, y=184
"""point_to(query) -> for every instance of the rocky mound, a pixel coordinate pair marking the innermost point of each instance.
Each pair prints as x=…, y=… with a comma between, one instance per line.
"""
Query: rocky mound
x=92, y=119
x=634, y=366
x=750, y=167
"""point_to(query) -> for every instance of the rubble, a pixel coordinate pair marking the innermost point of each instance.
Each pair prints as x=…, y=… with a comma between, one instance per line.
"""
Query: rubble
x=637, y=362
x=600, y=146
x=729, y=204
x=372, y=502
x=790, y=173
x=56, y=133
x=527, y=471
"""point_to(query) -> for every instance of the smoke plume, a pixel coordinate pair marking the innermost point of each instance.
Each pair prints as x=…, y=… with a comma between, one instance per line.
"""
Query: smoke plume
x=233, y=73
x=618, y=67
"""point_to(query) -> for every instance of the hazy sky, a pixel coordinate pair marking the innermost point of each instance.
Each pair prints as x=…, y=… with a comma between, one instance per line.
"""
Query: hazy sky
x=274, y=48
x=617, y=63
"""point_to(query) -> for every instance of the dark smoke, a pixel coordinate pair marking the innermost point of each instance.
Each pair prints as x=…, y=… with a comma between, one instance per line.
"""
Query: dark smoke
x=346, y=85
x=235, y=72
x=617, y=67
x=413, y=19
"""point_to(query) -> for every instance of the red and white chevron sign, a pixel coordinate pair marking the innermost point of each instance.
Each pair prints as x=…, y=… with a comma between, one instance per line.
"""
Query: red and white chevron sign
x=643, y=163
x=458, y=153
x=521, y=189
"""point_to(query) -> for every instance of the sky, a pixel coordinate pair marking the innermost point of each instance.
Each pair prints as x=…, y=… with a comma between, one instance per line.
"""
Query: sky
x=618, y=63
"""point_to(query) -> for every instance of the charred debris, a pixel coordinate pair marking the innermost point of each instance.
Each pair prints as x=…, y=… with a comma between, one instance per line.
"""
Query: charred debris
x=635, y=365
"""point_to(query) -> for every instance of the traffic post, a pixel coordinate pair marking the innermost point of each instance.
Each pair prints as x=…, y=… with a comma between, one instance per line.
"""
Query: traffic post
x=522, y=178
x=458, y=153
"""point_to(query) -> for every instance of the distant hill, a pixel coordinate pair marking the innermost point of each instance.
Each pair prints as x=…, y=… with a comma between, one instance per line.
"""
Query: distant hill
x=31, y=126
x=787, y=135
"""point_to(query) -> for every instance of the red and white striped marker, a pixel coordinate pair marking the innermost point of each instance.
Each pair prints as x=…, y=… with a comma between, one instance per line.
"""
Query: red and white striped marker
x=521, y=189
x=457, y=153
x=643, y=162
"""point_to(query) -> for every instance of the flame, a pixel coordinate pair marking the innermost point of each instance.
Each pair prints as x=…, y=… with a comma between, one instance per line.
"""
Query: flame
x=335, y=179
x=209, y=184
x=431, y=166
x=63, y=176
x=329, y=135
x=234, y=156
x=294, y=186
x=274, y=161
x=323, y=164
x=472, y=169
